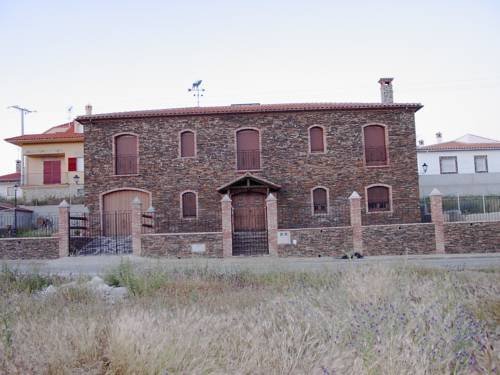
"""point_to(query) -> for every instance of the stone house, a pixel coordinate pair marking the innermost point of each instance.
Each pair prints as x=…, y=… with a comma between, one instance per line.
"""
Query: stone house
x=309, y=156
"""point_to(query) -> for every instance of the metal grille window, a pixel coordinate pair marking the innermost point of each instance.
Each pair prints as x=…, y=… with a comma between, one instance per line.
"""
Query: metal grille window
x=481, y=163
x=189, y=205
x=126, y=154
x=320, y=201
x=188, y=147
x=378, y=199
x=316, y=139
x=375, y=146
x=448, y=164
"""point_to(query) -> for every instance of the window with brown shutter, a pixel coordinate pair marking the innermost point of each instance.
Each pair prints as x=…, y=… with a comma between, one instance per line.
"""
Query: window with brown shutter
x=188, y=205
x=247, y=150
x=188, y=147
x=375, y=147
x=378, y=199
x=126, y=154
x=51, y=172
x=320, y=201
x=316, y=139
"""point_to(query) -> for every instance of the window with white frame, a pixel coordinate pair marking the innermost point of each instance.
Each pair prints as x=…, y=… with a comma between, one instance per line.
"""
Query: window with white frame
x=448, y=164
x=481, y=163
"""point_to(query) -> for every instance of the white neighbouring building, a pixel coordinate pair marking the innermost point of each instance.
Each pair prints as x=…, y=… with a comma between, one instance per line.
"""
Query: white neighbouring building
x=469, y=165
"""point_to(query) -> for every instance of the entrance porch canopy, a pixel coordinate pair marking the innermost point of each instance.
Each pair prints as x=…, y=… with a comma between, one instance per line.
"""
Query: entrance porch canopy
x=247, y=181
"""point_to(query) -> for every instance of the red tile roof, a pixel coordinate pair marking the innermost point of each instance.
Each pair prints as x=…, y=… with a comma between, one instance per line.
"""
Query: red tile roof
x=11, y=177
x=460, y=146
x=249, y=108
x=60, y=133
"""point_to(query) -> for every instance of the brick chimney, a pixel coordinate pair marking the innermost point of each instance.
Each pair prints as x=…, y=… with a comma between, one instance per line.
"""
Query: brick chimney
x=386, y=90
x=18, y=166
x=88, y=109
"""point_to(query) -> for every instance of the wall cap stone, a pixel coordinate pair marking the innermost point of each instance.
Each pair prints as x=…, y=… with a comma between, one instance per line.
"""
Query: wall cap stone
x=226, y=198
x=64, y=204
x=435, y=192
x=354, y=195
x=271, y=198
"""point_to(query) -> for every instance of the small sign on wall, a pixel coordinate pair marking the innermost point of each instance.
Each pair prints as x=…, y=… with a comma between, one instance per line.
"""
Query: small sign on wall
x=198, y=248
x=283, y=238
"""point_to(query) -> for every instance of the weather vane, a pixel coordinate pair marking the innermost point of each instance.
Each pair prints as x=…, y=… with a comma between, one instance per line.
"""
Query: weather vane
x=197, y=91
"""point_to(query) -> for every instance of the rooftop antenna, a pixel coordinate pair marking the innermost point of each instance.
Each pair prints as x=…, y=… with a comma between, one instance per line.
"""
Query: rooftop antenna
x=23, y=111
x=197, y=91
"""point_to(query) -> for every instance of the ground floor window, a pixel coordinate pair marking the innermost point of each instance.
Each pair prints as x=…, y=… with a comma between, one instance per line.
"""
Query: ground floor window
x=319, y=201
x=378, y=198
x=188, y=202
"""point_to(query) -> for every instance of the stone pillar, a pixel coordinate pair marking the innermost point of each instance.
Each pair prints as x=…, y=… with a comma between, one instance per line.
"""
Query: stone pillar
x=136, y=221
x=357, y=233
x=272, y=224
x=438, y=219
x=227, y=227
x=64, y=229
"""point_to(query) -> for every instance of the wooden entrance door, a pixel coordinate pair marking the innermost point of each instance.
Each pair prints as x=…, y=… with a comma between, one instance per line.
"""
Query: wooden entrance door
x=117, y=207
x=249, y=224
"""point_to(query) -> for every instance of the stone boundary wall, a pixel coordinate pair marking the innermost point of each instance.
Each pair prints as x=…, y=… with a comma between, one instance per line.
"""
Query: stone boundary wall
x=475, y=237
x=399, y=239
x=29, y=248
x=180, y=245
x=314, y=242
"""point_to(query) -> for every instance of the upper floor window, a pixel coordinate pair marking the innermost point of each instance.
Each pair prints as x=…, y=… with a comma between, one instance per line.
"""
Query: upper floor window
x=75, y=164
x=320, y=201
x=189, y=208
x=448, y=164
x=316, y=139
x=378, y=198
x=481, y=163
x=375, y=145
x=188, y=144
x=126, y=154
x=247, y=150
x=51, y=172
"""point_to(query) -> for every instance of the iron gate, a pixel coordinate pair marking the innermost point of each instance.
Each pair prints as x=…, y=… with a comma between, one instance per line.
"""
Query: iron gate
x=250, y=231
x=100, y=233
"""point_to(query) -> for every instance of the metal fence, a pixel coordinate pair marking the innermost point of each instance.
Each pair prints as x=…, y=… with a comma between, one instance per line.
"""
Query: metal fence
x=471, y=208
x=22, y=224
x=171, y=222
x=303, y=216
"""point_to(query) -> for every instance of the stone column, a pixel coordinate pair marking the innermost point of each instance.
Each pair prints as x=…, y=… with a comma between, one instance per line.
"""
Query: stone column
x=64, y=229
x=136, y=221
x=227, y=227
x=272, y=224
x=357, y=233
x=438, y=219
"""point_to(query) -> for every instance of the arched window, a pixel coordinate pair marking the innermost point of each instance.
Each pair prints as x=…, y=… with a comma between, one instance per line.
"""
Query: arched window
x=378, y=198
x=375, y=146
x=320, y=201
x=316, y=139
x=126, y=154
x=247, y=150
x=189, y=208
x=188, y=144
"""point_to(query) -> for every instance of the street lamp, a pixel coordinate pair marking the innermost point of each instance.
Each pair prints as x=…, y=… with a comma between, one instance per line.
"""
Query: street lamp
x=424, y=167
x=76, y=178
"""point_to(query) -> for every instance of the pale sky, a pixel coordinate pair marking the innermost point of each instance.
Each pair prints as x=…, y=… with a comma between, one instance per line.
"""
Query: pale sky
x=128, y=55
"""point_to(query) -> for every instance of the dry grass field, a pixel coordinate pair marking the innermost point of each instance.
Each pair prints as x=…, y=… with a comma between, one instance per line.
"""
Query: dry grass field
x=359, y=320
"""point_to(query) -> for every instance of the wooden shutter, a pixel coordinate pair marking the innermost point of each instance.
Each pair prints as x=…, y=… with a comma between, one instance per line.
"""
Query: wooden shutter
x=126, y=154
x=248, y=149
x=375, y=147
x=320, y=201
x=317, y=140
x=188, y=205
x=187, y=144
x=71, y=164
x=51, y=172
x=378, y=198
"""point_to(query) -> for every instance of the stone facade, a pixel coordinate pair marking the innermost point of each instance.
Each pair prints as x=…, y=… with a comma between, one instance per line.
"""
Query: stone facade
x=29, y=248
x=480, y=237
x=180, y=245
x=399, y=239
x=285, y=157
x=318, y=242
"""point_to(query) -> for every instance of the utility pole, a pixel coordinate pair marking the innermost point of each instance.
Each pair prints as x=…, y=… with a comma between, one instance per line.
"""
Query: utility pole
x=197, y=91
x=23, y=112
